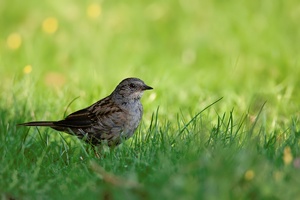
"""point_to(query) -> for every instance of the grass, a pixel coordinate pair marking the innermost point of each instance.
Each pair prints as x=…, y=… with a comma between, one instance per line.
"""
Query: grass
x=245, y=146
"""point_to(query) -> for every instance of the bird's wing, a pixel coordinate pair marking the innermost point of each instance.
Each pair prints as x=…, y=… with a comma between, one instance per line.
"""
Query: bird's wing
x=110, y=117
x=105, y=114
x=80, y=119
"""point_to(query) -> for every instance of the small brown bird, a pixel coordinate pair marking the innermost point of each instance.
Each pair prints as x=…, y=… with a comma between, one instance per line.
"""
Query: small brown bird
x=112, y=119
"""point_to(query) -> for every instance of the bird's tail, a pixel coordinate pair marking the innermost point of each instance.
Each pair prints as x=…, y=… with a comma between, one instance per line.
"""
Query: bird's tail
x=38, y=123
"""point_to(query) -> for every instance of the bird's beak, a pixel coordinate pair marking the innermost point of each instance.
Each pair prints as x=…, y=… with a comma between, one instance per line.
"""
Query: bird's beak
x=146, y=87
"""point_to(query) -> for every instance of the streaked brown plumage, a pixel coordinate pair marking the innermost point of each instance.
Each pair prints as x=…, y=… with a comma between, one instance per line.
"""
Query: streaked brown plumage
x=111, y=119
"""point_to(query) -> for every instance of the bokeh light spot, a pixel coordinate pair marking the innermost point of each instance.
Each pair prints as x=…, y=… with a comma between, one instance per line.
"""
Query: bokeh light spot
x=287, y=156
x=50, y=25
x=249, y=175
x=14, y=41
x=152, y=96
x=93, y=11
x=27, y=69
x=55, y=79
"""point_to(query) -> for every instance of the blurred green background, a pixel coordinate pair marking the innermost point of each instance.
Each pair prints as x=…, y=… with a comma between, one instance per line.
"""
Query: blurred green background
x=192, y=52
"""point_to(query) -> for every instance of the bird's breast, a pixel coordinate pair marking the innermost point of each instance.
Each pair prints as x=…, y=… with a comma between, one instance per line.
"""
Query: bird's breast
x=134, y=117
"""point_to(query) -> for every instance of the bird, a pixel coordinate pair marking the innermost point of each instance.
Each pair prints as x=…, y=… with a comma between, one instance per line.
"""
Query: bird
x=110, y=120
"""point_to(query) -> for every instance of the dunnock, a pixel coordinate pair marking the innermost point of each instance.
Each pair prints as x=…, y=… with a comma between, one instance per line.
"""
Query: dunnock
x=112, y=119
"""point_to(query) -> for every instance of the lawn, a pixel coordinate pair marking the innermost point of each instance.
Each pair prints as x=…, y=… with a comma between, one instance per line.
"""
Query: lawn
x=221, y=123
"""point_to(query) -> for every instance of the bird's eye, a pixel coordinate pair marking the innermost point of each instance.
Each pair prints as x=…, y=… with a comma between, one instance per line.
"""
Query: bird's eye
x=132, y=85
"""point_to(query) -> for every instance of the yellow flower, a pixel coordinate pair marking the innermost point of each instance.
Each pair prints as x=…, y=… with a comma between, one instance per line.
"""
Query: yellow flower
x=93, y=11
x=287, y=156
x=50, y=25
x=27, y=69
x=249, y=175
x=14, y=41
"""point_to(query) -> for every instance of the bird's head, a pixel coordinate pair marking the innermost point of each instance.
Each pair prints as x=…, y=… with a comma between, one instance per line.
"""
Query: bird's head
x=131, y=89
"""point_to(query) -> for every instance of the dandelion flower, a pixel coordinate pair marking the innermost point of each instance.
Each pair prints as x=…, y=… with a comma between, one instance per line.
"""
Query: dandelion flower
x=93, y=11
x=50, y=25
x=287, y=156
x=249, y=175
x=14, y=41
x=27, y=69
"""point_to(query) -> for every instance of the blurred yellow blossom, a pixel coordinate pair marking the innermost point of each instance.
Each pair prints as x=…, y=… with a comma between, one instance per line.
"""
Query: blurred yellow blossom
x=249, y=175
x=27, y=69
x=287, y=155
x=93, y=11
x=14, y=41
x=50, y=25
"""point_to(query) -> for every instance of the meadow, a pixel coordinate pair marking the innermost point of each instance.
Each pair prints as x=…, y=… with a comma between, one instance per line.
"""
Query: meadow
x=221, y=123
